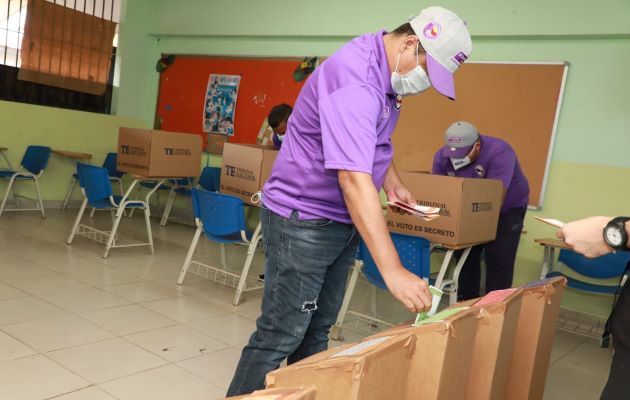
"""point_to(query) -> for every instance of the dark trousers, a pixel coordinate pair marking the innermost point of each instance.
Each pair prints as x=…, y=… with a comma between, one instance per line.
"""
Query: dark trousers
x=305, y=280
x=499, y=257
x=617, y=386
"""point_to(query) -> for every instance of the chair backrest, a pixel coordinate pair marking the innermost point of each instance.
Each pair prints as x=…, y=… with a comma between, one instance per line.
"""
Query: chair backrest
x=414, y=253
x=220, y=214
x=604, y=267
x=36, y=158
x=110, y=165
x=210, y=179
x=182, y=181
x=95, y=182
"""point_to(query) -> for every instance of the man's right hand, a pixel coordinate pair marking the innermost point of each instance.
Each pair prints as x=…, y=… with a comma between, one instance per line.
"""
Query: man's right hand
x=409, y=289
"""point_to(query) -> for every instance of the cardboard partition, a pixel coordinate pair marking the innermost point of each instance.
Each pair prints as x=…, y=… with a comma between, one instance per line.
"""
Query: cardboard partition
x=292, y=393
x=152, y=153
x=540, y=306
x=492, y=352
x=442, y=357
x=373, y=369
x=469, y=209
x=245, y=168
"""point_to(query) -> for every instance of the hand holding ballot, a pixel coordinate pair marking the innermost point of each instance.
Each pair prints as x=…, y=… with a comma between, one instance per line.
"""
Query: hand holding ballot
x=585, y=236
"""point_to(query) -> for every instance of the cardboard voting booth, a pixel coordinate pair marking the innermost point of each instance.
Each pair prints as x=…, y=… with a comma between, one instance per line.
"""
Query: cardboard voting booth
x=152, y=153
x=245, y=168
x=289, y=393
x=373, y=369
x=469, y=209
x=442, y=354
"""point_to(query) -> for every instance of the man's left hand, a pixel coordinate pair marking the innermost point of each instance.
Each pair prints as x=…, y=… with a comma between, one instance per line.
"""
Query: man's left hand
x=402, y=194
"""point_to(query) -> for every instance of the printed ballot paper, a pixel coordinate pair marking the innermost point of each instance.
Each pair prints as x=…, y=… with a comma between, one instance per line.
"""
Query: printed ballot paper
x=555, y=222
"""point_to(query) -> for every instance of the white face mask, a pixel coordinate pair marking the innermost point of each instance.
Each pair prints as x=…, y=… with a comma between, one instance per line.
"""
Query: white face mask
x=280, y=137
x=460, y=162
x=413, y=82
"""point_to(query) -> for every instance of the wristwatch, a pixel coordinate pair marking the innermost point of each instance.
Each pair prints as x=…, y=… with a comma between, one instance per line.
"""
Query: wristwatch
x=615, y=233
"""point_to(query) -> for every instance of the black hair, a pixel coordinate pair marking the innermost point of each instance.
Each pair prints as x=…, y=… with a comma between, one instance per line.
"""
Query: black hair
x=407, y=30
x=278, y=114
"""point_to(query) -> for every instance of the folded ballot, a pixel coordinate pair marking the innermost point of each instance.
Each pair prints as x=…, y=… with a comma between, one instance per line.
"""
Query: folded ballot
x=422, y=212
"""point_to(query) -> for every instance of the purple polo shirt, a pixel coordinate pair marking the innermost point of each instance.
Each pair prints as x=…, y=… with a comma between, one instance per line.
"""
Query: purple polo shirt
x=496, y=160
x=343, y=119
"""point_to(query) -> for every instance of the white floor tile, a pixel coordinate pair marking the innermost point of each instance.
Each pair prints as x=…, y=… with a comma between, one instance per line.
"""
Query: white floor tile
x=184, y=309
x=91, y=393
x=49, y=283
x=125, y=320
x=165, y=383
x=22, y=269
x=9, y=292
x=11, y=349
x=22, y=309
x=99, y=276
x=229, y=328
x=57, y=332
x=217, y=367
x=36, y=378
x=176, y=343
x=106, y=360
x=84, y=299
x=142, y=292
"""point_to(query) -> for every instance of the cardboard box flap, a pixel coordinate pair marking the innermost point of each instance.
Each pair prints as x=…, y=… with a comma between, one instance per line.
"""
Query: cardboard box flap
x=545, y=287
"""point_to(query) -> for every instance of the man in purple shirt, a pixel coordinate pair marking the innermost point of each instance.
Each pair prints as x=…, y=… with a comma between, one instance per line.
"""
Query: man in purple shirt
x=467, y=154
x=323, y=191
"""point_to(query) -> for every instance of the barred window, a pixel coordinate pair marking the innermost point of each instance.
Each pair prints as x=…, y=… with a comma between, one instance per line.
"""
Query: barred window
x=61, y=55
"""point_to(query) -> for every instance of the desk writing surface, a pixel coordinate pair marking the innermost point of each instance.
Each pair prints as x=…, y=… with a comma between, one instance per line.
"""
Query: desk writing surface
x=4, y=148
x=552, y=242
x=73, y=154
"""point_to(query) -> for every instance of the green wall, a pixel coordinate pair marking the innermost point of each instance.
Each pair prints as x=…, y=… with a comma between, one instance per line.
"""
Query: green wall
x=25, y=124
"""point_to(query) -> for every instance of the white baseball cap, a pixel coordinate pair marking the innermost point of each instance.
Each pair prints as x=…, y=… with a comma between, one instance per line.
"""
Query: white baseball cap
x=447, y=42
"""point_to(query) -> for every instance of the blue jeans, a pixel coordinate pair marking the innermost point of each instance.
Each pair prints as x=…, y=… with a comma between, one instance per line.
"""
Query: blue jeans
x=305, y=277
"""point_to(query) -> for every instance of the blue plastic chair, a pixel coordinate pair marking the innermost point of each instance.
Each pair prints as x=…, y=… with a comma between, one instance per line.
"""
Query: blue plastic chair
x=97, y=190
x=208, y=180
x=415, y=256
x=222, y=218
x=114, y=175
x=33, y=163
x=609, y=266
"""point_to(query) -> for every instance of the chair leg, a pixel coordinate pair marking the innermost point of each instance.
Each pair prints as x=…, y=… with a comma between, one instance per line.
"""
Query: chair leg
x=191, y=251
x=251, y=249
x=335, y=332
x=39, y=198
x=147, y=220
x=6, y=195
x=168, y=207
x=137, y=196
x=68, y=194
x=77, y=221
x=92, y=212
x=223, y=256
x=112, y=234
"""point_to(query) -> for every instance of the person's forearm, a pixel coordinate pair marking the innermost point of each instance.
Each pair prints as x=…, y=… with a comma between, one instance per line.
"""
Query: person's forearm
x=392, y=179
x=364, y=206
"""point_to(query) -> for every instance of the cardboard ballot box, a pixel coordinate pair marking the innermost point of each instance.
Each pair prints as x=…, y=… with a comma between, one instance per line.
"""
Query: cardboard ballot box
x=245, y=168
x=498, y=314
x=540, y=306
x=290, y=393
x=469, y=209
x=152, y=153
x=373, y=369
x=441, y=361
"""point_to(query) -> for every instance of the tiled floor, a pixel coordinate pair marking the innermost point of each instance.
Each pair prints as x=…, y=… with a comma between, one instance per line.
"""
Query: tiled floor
x=74, y=326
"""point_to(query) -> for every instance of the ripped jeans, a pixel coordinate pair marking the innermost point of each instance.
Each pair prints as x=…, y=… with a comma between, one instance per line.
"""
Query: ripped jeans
x=305, y=278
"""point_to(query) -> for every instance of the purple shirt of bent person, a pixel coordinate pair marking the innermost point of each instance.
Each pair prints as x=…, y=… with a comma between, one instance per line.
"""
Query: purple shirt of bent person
x=496, y=160
x=343, y=119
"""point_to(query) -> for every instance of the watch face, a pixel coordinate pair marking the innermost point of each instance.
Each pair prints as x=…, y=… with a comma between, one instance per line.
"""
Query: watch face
x=614, y=236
